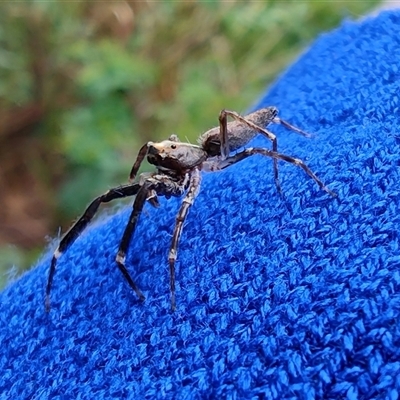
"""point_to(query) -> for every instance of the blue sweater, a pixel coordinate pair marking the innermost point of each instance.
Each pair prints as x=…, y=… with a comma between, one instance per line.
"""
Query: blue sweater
x=290, y=298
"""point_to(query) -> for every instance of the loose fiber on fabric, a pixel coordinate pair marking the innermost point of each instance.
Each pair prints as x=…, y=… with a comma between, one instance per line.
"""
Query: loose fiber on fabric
x=276, y=298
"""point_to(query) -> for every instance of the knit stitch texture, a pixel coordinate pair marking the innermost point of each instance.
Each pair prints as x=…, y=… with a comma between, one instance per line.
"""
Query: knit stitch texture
x=281, y=298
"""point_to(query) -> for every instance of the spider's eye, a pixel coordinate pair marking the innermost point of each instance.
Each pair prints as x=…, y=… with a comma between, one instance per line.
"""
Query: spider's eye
x=173, y=146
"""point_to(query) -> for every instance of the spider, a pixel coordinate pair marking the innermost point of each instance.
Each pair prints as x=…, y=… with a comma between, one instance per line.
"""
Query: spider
x=178, y=166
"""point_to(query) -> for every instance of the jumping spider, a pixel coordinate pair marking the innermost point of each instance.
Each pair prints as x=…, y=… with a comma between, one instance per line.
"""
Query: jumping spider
x=178, y=167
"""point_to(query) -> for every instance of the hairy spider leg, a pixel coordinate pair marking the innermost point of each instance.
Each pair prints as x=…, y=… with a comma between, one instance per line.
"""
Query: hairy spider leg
x=139, y=159
x=162, y=185
x=291, y=127
x=80, y=225
x=277, y=156
x=194, y=187
x=223, y=123
x=141, y=197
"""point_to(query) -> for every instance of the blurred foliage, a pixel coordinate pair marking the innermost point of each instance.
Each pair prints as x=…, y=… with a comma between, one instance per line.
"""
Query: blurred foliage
x=95, y=80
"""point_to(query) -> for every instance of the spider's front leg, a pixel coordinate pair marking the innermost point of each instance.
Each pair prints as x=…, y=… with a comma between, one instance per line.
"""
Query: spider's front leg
x=81, y=224
x=151, y=186
x=194, y=187
x=146, y=192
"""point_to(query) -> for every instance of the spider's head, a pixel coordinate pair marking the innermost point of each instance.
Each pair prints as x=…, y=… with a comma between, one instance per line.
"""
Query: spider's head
x=174, y=155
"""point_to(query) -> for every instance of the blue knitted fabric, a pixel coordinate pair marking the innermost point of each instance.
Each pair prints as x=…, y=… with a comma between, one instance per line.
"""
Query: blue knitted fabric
x=282, y=298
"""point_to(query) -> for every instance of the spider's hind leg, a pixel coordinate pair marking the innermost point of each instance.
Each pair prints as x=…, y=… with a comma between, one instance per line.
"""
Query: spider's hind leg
x=224, y=138
x=276, y=156
x=291, y=127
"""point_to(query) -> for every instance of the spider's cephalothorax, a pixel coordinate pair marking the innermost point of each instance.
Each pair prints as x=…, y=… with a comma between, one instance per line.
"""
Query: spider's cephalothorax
x=178, y=167
x=172, y=155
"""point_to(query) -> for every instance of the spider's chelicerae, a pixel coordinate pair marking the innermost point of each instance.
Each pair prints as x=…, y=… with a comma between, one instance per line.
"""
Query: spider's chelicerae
x=178, y=167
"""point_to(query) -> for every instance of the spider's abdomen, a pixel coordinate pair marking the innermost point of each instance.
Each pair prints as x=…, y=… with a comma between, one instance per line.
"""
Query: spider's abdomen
x=239, y=133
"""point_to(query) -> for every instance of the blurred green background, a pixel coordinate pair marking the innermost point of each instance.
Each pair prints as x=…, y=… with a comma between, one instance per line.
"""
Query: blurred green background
x=84, y=84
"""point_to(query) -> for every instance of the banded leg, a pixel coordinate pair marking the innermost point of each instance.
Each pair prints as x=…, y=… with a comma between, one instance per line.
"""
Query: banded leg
x=291, y=127
x=80, y=225
x=223, y=123
x=194, y=186
x=276, y=156
x=145, y=191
